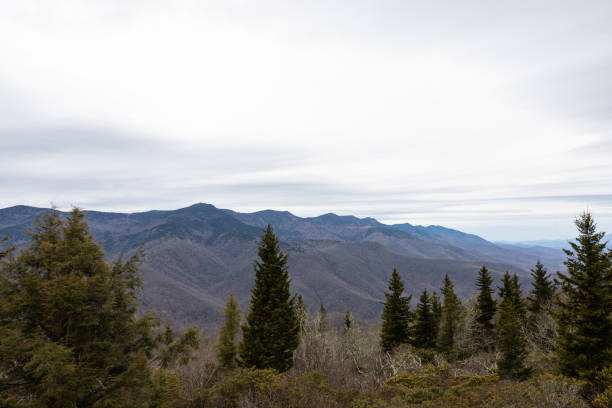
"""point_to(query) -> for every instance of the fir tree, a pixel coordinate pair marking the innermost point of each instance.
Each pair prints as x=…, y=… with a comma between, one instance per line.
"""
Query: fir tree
x=436, y=310
x=451, y=317
x=543, y=290
x=348, y=322
x=69, y=334
x=271, y=332
x=323, y=323
x=511, y=338
x=301, y=313
x=584, y=307
x=395, y=316
x=424, y=330
x=226, y=342
x=485, y=310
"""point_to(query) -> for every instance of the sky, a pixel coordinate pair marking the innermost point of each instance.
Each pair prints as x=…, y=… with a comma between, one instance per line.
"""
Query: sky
x=494, y=118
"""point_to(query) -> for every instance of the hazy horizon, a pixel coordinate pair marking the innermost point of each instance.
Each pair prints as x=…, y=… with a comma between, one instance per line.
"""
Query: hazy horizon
x=493, y=119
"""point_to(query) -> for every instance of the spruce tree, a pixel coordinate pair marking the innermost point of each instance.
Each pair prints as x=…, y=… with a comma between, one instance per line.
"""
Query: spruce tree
x=348, y=322
x=543, y=290
x=436, y=310
x=424, y=330
x=511, y=339
x=451, y=317
x=323, y=323
x=226, y=341
x=271, y=332
x=396, y=315
x=584, y=305
x=485, y=310
x=69, y=334
x=301, y=313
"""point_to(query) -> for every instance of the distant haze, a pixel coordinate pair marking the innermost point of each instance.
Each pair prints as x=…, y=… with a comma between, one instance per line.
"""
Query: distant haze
x=494, y=118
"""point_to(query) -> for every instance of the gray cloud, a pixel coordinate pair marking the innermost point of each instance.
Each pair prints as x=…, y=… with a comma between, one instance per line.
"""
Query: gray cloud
x=372, y=108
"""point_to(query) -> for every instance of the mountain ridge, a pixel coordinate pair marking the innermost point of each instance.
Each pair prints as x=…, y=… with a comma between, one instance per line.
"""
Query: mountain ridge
x=197, y=255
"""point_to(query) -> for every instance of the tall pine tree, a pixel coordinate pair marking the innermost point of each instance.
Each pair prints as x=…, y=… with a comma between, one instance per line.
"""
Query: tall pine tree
x=485, y=310
x=584, y=307
x=436, y=310
x=226, y=342
x=451, y=317
x=396, y=315
x=543, y=290
x=511, y=339
x=424, y=330
x=348, y=322
x=271, y=332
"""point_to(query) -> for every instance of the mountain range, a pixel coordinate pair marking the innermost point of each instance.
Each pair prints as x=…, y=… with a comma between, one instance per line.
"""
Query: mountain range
x=198, y=255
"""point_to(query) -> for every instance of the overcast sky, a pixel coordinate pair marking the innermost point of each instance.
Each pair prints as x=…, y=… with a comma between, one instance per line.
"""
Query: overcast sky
x=491, y=117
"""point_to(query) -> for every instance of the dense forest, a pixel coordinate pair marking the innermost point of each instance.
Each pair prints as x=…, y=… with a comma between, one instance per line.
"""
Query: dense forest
x=71, y=335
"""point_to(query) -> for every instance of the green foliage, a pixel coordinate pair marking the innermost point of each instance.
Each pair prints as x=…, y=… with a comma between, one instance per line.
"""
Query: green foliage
x=271, y=332
x=485, y=310
x=348, y=322
x=323, y=323
x=226, y=342
x=269, y=389
x=424, y=328
x=543, y=290
x=436, y=310
x=511, y=340
x=584, y=305
x=69, y=335
x=396, y=315
x=300, y=312
x=451, y=317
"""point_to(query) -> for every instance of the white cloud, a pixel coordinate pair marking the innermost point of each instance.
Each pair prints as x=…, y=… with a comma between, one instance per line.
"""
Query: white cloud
x=393, y=109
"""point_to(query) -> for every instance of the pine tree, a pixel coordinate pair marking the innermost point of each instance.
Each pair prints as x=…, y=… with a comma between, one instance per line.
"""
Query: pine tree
x=424, y=330
x=485, y=310
x=226, y=341
x=451, y=317
x=69, y=335
x=395, y=316
x=348, y=322
x=543, y=290
x=584, y=307
x=271, y=332
x=301, y=313
x=323, y=323
x=436, y=310
x=511, y=338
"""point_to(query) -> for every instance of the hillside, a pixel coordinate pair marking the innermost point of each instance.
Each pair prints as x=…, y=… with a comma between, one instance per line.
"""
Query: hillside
x=197, y=256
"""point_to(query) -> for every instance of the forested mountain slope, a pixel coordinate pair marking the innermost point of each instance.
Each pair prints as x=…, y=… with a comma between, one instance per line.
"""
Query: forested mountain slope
x=197, y=256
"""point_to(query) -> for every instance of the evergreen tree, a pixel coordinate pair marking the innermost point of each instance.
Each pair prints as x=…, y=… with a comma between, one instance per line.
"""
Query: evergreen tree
x=323, y=323
x=511, y=338
x=451, y=317
x=69, y=335
x=543, y=290
x=396, y=315
x=301, y=313
x=485, y=310
x=226, y=342
x=584, y=307
x=6, y=251
x=348, y=322
x=424, y=330
x=271, y=332
x=436, y=310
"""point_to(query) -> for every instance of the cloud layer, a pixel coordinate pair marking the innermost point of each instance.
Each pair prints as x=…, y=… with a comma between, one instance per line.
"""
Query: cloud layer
x=489, y=118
